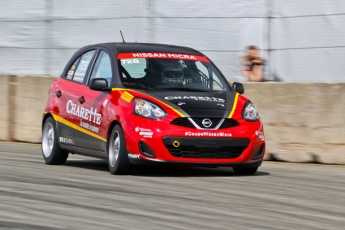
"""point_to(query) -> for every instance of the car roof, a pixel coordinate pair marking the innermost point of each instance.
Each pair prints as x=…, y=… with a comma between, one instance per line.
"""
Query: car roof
x=129, y=47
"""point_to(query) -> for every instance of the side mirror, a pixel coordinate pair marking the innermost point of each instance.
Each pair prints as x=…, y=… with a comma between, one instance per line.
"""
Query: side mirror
x=99, y=84
x=238, y=87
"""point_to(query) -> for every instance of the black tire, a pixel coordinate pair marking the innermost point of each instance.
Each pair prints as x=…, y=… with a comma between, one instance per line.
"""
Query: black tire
x=118, y=162
x=245, y=171
x=51, y=151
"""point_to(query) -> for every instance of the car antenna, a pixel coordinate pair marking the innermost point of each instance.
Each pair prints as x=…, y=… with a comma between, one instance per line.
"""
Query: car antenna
x=122, y=36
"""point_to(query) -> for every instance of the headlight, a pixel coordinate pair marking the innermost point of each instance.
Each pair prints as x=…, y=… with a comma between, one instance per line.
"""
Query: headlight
x=250, y=113
x=148, y=109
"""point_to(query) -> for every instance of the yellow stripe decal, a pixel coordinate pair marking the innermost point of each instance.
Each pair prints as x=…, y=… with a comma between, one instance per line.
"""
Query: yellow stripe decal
x=73, y=126
x=234, y=106
x=176, y=111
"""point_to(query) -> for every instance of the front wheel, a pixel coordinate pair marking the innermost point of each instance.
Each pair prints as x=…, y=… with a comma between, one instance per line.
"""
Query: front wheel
x=117, y=154
x=245, y=171
x=51, y=151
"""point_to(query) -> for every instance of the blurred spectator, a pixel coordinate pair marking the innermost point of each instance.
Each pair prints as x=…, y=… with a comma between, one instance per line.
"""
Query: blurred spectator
x=252, y=65
x=255, y=68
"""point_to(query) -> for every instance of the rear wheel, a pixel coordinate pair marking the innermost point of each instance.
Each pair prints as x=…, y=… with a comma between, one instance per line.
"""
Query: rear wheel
x=51, y=151
x=245, y=171
x=117, y=154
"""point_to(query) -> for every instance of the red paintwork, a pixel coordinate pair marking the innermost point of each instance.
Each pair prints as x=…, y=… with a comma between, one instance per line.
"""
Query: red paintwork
x=163, y=128
x=122, y=111
x=162, y=55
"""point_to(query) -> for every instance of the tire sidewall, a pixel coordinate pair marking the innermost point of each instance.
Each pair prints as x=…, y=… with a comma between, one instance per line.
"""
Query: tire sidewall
x=56, y=146
x=57, y=156
x=122, y=165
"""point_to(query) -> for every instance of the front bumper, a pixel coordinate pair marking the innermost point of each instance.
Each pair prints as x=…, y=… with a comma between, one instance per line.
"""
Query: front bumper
x=242, y=145
x=140, y=160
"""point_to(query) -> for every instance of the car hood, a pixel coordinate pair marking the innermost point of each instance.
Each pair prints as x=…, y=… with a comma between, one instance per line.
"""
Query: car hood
x=210, y=104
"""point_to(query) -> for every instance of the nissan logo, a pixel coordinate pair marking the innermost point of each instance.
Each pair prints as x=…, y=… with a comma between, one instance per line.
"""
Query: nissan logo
x=206, y=122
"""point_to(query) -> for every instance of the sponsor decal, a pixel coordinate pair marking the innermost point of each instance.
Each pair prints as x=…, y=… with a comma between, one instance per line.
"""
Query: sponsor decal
x=260, y=135
x=66, y=140
x=207, y=134
x=144, y=132
x=133, y=156
x=78, y=78
x=196, y=98
x=181, y=103
x=89, y=126
x=82, y=112
x=70, y=72
x=127, y=96
x=162, y=55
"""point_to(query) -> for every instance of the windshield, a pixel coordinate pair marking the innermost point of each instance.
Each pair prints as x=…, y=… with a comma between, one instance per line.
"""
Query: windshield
x=161, y=71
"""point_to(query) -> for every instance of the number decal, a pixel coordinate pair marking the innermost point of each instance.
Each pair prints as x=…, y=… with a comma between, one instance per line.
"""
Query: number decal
x=129, y=61
x=83, y=65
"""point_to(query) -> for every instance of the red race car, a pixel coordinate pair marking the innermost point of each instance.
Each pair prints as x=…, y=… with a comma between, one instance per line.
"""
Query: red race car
x=136, y=103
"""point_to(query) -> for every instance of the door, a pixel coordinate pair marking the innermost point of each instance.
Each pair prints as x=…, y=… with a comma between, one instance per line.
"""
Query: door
x=95, y=103
x=71, y=110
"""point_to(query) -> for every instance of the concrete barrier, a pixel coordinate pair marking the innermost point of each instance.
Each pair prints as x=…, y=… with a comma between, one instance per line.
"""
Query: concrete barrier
x=4, y=107
x=304, y=122
x=30, y=100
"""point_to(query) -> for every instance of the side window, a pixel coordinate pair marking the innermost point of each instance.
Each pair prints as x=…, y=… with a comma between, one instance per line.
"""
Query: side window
x=203, y=73
x=216, y=83
x=72, y=69
x=83, y=64
x=102, y=67
x=209, y=78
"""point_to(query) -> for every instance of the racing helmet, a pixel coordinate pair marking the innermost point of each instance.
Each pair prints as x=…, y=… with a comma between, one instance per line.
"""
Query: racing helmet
x=172, y=73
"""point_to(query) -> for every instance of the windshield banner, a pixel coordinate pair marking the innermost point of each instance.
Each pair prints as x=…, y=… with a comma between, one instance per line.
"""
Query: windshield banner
x=163, y=55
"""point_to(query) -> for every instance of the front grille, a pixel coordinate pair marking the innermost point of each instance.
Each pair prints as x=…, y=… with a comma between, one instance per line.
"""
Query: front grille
x=228, y=123
x=193, y=152
x=189, y=147
x=182, y=121
x=185, y=122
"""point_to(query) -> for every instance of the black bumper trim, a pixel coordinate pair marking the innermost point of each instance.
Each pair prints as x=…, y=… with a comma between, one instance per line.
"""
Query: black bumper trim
x=145, y=161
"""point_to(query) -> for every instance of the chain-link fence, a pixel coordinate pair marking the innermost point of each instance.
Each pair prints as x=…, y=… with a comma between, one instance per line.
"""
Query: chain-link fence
x=303, y=41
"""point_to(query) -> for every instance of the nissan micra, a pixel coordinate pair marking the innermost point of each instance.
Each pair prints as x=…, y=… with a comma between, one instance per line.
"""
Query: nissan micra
x=144, y=104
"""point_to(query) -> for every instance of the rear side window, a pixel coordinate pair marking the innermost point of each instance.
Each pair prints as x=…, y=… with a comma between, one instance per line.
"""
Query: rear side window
x=71, y=70
x=78, y=70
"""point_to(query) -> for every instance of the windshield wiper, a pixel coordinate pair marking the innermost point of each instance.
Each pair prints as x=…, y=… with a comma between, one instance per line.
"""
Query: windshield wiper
x=181, y=89
x=137, y=85
x=194, y=89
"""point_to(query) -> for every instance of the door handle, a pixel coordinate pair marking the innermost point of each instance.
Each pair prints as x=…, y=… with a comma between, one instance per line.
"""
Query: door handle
x=58, y=93
x=81, y=99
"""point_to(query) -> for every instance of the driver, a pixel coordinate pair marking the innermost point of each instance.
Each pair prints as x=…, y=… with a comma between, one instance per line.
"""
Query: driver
x=172, y=73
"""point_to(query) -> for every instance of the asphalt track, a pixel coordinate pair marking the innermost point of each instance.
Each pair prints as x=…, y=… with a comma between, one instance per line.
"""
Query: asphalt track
x=82, y=194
